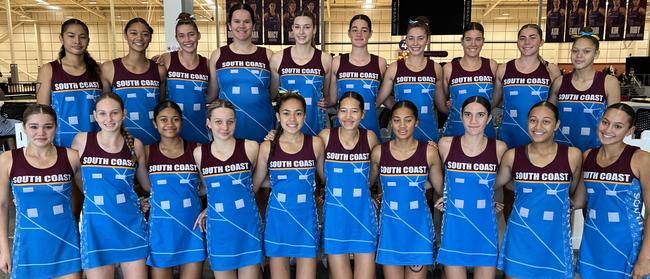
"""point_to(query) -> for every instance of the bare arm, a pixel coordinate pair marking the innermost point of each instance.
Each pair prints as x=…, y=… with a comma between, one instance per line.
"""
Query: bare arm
x=141, y=172
x=555, y=88
x=498, y=85
x=579, y=198
x=213, y=84
x=162, y=71
x=326, y=60
x=446, y=72
x=261, y=169
x=334, y=91
x=440, y=97
x=43, y=85
x=108, y=72
x=375, y=156
x=319, y=152
x=497, y=94
x=553, y=71
x=640, y=162
x=386, y=87
x=504, y=175
x=612, y=90
x=444, y=145
x=275, y=76
x=575, y=161
x=435, y=169
x=5, y=253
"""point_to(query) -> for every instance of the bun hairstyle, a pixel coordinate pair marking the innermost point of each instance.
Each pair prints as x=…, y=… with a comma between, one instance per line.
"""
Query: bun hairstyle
x=420, y=21
x=588, y=33
x=186, y=18
x=91, y=65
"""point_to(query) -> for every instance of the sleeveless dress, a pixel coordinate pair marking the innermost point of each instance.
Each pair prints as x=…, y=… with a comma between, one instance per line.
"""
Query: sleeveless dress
x=46, y=239
x=406, y=232
x=234, y=225
x=580, y=112
x=308, y=81
x=614, y=226
x=420, y=89
x=462, y=85
x=291, y=217
x=244, y=81
x=113, y=229
x=469, y=225
x=175, y=205
x=537, y=243
x=520, y=92
x=140, y=94
x=364, y=80
x=188, y=88
x=73, y=99
x=350, y=221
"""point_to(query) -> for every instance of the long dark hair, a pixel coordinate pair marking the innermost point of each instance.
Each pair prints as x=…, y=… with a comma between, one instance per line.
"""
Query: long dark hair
x=405, y=104
x=354, y=95
x=538, y=30
x=283, y=98
x=166, y=104
x=138, y=20
x=625, y=108
x=92, y=68
x=547, y=105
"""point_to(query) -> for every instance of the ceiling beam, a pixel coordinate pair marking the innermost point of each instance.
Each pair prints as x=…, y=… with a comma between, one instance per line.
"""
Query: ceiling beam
x=5, y=36
x=88, y=9
x=489, y=10
x=21, y=14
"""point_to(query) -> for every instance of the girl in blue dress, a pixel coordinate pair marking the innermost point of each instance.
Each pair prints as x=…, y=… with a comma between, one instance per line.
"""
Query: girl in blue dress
x=113, y=228
x=406, y=168
x=174, y=201
x=40, y=178
x=469, y=227
x=232, y=220
x=187, y=79
x=537, y=243
x=616, y=183
x=291, y=162
x=350, y=221
x=71, y=83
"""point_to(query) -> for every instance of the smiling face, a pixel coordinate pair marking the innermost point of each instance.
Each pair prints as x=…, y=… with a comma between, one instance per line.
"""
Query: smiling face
x=529, y=42
x=138, y=37
x=75, y=39
x=187, y=37
x=350, y=113
x=472, y=43
x=168, y=123
x=542, y=124
x=241, y=25
x=109, y=114
x=417, y=40
x=475, y=118
x=303, y=30
x=222, y=123
x=614, y=126
x=291, y=116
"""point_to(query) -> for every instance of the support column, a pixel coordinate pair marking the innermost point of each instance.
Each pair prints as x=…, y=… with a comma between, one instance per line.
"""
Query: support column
x=39, y=54
x=171, y=11
x=112, y=32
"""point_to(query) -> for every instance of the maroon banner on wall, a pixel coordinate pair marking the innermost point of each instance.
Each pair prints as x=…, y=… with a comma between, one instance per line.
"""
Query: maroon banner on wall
x=272, y=19
x=615, y=20
x=575, y=19
x=289, y=10
x=555, y=15
x=635, y=19
x=596, y=16
x=314, y=7
x=256, y=5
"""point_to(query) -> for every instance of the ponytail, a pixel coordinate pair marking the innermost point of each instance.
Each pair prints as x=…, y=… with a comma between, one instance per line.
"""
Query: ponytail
x=130, y=143
x=92, y=68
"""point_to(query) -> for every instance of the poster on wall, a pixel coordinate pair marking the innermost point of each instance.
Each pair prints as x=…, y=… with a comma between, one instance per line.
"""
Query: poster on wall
x=575, y=19
x=615, y=20
x=635, y=19
x=555, y=15
x=256, y=6
x=596, y=16
x=289, y=11
x=313, y=7
x=272, y=26
x=229, y=4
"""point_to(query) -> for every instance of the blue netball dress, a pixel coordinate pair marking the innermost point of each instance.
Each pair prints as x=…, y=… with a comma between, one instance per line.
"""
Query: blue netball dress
x=406, y=233
x=233, y=220
x=469, y=225
x=113, y=229
x=291, y=218
x=244, y=81
x=307, y=80
x=350, y=220
x=140, y=93
x=187, y=88
x=520, y=92
x=364, y=80
x=175, y=205
x=580, y=112
x=46, y=240
x=462, y=85
x=537, y=243
x=73, y=99
x=613, y=226
x=420, y=89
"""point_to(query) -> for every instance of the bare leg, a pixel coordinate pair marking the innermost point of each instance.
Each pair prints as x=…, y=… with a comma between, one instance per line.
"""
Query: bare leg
x=416, y=271
x=76, y=275
x=394, y=271
x=364, y=266
x=161, y=273
x=339, y=266
x=134, y=269
x=280, y=268
x=251, y=271
x=485, y=272
x=456, y=272
x=191, y=270
x=230, y=274
x=305, y=267
x=102, y=272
